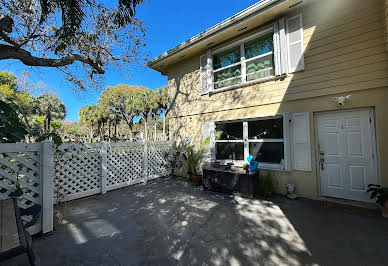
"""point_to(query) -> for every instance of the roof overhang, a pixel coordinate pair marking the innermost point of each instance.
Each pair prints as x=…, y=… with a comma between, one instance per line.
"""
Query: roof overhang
x=255, y=15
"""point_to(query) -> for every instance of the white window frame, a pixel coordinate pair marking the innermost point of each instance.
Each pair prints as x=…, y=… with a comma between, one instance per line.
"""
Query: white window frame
x=242, y=61
x=245, y=140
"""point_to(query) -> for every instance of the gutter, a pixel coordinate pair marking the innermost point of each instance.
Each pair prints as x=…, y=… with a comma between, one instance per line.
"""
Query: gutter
x=239, y=17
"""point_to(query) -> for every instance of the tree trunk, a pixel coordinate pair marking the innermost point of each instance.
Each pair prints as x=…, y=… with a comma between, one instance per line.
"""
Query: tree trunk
x=91, y=133
x=45, y=124
x=164, y=124
x=116, y=130
x=48, y=122
x=99, y=131
x=155, y=130
x=109, y=125
x=145, y=128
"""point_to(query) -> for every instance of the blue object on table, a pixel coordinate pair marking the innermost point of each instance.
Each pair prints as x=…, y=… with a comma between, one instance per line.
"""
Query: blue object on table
x=252, y=163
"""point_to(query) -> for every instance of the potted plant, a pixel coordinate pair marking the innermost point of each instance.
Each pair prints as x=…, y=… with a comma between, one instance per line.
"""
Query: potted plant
x=381, y=195
x=246, y=167
x=193, y=158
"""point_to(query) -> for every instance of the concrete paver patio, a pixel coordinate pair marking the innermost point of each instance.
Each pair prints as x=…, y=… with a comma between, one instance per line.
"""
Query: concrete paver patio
x=169, y=222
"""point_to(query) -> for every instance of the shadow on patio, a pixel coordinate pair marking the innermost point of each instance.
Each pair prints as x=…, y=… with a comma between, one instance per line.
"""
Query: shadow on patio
x=169, y=222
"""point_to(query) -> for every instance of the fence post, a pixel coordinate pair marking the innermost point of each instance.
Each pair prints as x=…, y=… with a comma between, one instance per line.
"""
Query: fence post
x=145, y=161
x=47, y=163
x=104, y=166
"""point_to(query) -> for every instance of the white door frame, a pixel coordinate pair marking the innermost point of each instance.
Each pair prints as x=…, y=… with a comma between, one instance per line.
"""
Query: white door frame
x=376, y=161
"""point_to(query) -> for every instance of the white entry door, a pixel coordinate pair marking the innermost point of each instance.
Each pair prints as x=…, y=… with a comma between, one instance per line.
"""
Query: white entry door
x=346, y=159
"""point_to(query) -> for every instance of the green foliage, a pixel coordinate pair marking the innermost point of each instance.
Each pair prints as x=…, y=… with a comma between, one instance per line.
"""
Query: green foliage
x=245, y=166
x=119, y=101
x=379, y=193
x=50, y=107
x=88, y=114
x=18, y=192
x=267, y=183
x=205, y=142
x=144, y=102
x=7, y=85
x=50, y=136
x=11, y=130
x=193, y=158
x=74, y=13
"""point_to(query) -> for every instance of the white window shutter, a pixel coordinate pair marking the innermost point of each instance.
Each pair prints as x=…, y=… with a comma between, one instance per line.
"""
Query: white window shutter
x=203, y=72
x=287, y=144
x=206, y=72
x=277, y=50
x=300, y=141
x=283, y=46
x=208, y=132
x=295, y=43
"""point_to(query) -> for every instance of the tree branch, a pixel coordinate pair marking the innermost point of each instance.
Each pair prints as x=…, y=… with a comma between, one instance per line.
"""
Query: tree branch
x=11, y=52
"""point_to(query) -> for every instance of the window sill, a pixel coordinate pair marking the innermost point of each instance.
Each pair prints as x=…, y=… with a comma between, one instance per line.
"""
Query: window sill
x=253, y=82
x=261, y=166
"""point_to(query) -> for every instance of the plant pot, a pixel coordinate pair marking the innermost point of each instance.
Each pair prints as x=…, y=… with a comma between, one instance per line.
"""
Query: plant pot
x=384, y=209
x=197, y=180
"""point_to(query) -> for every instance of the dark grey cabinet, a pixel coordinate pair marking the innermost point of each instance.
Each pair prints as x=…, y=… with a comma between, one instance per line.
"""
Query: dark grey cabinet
x=227, y=181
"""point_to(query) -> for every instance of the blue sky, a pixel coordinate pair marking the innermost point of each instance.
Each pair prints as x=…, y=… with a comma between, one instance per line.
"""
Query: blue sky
x=168, y=23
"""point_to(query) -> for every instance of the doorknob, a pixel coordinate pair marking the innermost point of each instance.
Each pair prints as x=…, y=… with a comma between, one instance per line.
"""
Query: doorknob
x=322, y=159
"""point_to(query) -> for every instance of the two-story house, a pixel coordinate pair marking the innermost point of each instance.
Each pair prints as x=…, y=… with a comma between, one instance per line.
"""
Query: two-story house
x=300, y=85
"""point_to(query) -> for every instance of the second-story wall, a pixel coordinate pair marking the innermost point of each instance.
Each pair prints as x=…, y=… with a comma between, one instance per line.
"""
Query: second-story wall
x=345, y=50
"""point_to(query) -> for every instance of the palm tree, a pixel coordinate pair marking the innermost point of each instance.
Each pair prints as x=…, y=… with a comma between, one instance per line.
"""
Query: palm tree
x=50, y=107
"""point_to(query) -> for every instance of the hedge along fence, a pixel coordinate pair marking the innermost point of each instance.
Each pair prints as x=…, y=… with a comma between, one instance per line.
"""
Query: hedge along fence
x=75, y=170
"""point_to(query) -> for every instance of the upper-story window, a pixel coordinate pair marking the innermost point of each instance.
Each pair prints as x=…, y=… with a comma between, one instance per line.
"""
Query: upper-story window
x=247, y=61
x=275, y=51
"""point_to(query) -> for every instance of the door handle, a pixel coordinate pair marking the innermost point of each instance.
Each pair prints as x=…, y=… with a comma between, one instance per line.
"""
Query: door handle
x=322, y=160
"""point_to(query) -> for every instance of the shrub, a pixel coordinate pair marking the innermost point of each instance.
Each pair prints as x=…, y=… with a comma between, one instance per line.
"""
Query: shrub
x=267, y=184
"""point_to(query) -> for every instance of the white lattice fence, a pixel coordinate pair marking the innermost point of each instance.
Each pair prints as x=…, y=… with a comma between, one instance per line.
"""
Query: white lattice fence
x=86, y=169
x=26, y=165
x=77, y=171
x=125, y=164
x=157, y=159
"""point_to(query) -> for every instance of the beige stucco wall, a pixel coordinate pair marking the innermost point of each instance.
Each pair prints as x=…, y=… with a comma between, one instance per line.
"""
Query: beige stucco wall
x=344, y=54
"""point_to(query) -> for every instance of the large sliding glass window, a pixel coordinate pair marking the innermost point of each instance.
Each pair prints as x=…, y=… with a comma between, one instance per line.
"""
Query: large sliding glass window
x=262, y=138
x=248, y=61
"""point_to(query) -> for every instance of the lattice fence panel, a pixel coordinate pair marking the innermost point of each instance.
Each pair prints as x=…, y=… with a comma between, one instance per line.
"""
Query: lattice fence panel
x=125, y=164
x=77, y=171
x=157, y=161
x=24, y=168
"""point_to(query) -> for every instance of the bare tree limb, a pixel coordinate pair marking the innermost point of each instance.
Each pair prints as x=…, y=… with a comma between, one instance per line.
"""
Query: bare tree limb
x=11, y=52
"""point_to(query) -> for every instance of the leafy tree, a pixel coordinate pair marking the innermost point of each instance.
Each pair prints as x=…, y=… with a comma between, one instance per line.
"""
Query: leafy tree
x=50, y=107
x=79, y=37
x=21, y=100
x=145, y=103
x=119, y=100
x=11, y=130
x=161, y=98
x=88, y=115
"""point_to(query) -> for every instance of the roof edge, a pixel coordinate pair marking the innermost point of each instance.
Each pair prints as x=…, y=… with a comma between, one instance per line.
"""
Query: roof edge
x=212, y=30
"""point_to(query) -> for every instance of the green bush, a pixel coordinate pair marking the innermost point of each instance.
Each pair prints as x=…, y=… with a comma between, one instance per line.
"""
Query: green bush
x=47, y=136
x=267, y=184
